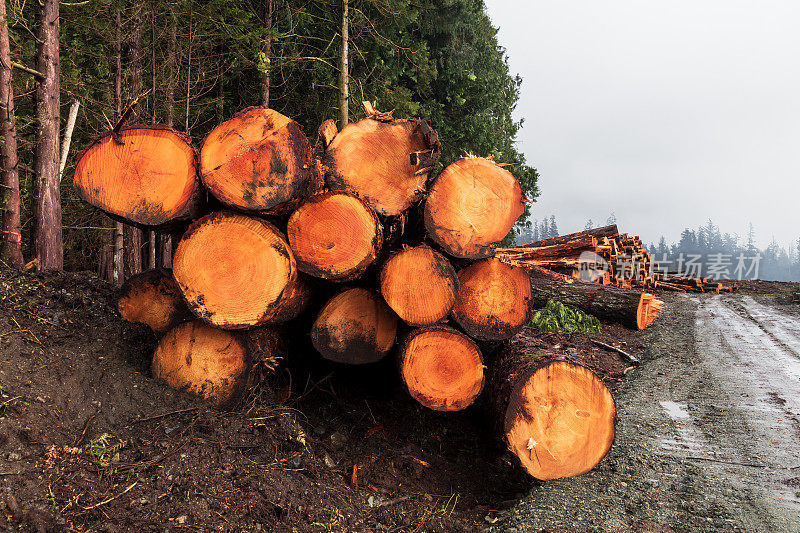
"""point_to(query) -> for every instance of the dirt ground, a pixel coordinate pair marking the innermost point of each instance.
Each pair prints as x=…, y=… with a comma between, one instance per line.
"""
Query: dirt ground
x=90, y=442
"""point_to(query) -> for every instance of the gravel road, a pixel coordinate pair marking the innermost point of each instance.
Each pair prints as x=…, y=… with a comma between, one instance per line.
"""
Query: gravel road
x=709, y=431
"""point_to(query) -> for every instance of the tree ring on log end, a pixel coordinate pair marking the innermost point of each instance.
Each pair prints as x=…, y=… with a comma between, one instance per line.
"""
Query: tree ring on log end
x=442, y=368
x=560, y=420
x=234, y=269
x=334, y=236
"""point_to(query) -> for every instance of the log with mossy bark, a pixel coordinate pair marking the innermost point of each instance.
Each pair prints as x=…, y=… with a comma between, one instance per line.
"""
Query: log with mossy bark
x=383, y=161
x=153, y=298
x=442, y=368
x=554, y=415
x=631, y=308
x=236, y=271
x=143, y=175
x=472, y=206
x=259, y=161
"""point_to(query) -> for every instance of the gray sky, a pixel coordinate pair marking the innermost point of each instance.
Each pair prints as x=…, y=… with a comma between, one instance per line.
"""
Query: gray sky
x=667, y=113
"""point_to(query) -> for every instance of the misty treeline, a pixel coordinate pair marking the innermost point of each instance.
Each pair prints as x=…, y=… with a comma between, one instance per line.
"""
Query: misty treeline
x=194, y=64
x=532, y=230
x=729, y=256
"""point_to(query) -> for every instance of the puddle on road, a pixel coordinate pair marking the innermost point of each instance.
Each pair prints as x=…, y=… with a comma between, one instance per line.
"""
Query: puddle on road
x=688, y=438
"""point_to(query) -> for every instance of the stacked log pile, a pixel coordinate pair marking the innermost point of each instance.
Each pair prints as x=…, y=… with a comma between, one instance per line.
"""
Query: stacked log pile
x=796, y=296
x=605, y=256
x=355, y=234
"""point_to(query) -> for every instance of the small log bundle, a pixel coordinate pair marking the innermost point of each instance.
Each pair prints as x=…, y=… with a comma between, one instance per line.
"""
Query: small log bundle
x=442, y=368
x=796, y=296
x=555, y=416
x=153, y=298
x=603, y=255
x=259, y=161
x=472, y=206
x=235, y=271
x=143, y=175
x=634, y=309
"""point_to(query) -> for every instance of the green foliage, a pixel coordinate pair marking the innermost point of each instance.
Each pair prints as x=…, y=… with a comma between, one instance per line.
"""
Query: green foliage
x=560, y=318
x=434, y=59
x=103, y=448
x=5, y=400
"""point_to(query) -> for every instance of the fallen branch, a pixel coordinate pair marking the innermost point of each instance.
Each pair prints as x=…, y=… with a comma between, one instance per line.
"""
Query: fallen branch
x=623, y=353
x=156, y=417
x=95, y=506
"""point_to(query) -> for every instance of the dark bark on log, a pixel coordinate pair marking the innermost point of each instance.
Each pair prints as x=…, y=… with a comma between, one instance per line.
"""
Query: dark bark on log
x=559, y=424
x=606, y=231
x=605, y=302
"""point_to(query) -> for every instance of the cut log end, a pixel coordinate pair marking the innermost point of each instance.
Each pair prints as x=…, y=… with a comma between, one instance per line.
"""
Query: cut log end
x=649, y=309
x=203, y=361
x=354, y=327
x=149, y=180
x=442, y=368
x=420, y=285
x=234, y=270
x=493, y=299
x=334, y=236
x=473, y=204
x=560, y=421
x=152, y=298
x=258, y=161
x=373, y=160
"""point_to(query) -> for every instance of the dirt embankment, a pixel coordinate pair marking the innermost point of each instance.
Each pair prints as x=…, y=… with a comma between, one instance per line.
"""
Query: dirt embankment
x=89, y=441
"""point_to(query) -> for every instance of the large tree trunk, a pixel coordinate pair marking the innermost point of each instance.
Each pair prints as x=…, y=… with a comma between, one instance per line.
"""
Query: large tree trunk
x=48, y=231
x=335, y=236
x=132, y=239
x=258, y=161
x=473, y=205
x=442, y=368
x=267, y=57
x=555, y=415
x=344, y=68
x=355, y=327
x=419, y=284
x=493, y=300
x=235, y=271
x=11, y=241
x=119, y=274
x=631, y=308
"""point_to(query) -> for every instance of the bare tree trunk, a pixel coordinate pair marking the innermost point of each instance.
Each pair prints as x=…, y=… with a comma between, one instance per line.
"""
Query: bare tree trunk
x=265, y=77
x=11, y=241
x=189, y=67
x=48, y=231
x=67, y=141
x=166, y=240
x=153, y=237
x=344, y=77
x=118, y=276
x=132, y=237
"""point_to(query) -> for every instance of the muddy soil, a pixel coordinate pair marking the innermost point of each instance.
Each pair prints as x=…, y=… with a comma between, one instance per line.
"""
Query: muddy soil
x=709, y=428
x=90, y=442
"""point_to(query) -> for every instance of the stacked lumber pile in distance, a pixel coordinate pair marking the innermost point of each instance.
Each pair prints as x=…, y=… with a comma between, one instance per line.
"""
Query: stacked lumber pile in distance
x=355, y=235
x=682, y=283
x=796, y=296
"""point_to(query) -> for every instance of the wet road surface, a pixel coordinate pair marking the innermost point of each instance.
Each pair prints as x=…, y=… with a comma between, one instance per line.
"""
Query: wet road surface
x=709, y=430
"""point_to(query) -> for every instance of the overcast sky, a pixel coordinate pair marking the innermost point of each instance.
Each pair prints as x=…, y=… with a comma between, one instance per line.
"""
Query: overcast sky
x=667, y=113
